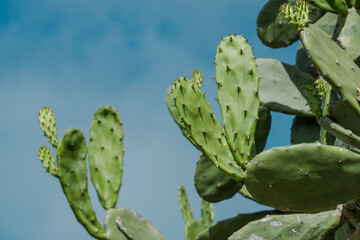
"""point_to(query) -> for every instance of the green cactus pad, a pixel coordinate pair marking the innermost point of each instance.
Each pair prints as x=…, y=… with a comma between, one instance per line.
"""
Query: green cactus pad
x=289, y=178
x=48, y=125
x=322, y=4
x=207, y=213
x=211, y=183
x=274, y=30
x=176, y=116
x=304, y=130
x=346, y=117
x=225, y=228
x=333, y=63
x=339, y=6
x=106, y=150
x=345, y=135
x=348, y=34
x=326, y=23
x=202, y=125
x=71, y=159
x=238, y=95
x=131, y=224
x=278, y=81
x=48, y=161
x=262, y=128
x=318, y=226
x=184, y=204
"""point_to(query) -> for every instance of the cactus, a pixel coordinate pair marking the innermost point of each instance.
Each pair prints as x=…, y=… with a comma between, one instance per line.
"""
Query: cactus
x=312, y=182
x=105, y=160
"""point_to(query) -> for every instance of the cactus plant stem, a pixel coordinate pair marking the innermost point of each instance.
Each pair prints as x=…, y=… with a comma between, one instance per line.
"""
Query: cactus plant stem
x=325, y=111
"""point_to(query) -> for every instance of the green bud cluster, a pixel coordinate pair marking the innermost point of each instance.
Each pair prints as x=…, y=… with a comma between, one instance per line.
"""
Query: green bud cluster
x=298, y=14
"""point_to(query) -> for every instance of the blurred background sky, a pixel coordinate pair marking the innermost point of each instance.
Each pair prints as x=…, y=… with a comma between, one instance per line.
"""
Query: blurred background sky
x=77, y=55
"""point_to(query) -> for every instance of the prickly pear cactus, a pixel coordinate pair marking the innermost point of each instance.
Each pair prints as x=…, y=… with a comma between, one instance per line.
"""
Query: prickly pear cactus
x=310, y=183
x=105, y=152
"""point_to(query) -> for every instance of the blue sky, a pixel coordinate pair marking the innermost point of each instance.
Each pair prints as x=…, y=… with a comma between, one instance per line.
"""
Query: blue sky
x=77, y=55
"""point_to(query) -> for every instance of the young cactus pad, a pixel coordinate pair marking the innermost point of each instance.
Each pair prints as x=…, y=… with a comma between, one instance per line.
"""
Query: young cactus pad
x=106, y=150
x=289, y=178
x=304, y=130
x=238, y=95
x=48, y=125
x=48, y=161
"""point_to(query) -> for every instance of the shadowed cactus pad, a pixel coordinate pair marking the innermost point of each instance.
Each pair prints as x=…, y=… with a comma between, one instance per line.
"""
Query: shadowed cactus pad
x=304, y=130
x=212, y=184
x=278, y=80
x=289, y=178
